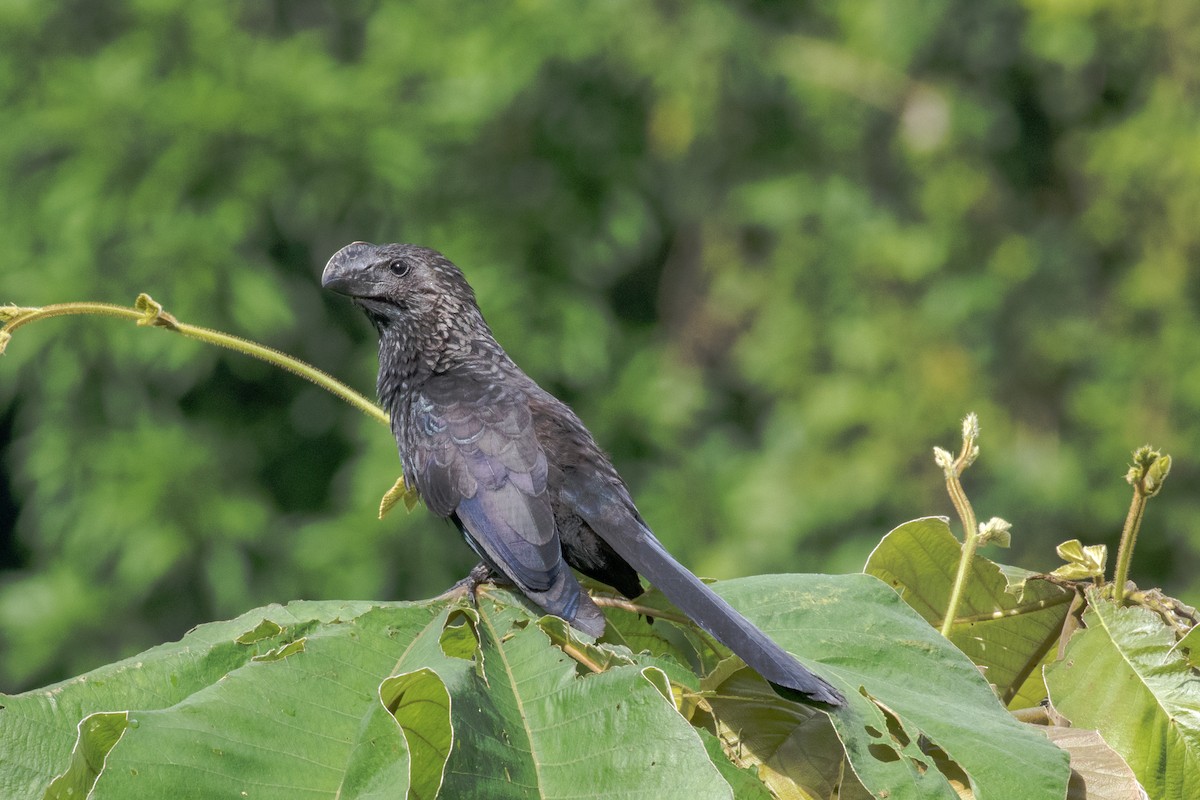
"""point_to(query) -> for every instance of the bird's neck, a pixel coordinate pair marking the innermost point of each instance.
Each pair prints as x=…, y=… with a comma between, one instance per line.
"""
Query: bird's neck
x=402, y=367
x=410, y=355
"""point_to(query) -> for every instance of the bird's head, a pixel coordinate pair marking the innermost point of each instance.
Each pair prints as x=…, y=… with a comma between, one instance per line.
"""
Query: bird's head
x=402, y=285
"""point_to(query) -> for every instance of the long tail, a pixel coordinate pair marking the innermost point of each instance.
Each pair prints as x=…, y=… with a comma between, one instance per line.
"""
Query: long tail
x=634, y=542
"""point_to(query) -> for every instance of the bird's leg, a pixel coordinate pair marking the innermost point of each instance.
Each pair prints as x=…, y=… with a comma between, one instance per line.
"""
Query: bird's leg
x=480, y=573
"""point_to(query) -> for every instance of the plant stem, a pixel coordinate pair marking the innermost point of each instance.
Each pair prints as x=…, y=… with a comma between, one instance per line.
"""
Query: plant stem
x=644, y=611
x=1038, y=715
x=149, y=313
x=1133, y=523
x=1150, y=468
x=953, y=470
x=581, y=656
x=970, y=544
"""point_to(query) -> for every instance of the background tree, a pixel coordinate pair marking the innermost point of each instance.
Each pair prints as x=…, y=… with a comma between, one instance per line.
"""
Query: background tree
x=770, y=252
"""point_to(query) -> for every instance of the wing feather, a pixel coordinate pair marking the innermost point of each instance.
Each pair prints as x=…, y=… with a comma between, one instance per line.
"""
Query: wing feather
x=477, y=456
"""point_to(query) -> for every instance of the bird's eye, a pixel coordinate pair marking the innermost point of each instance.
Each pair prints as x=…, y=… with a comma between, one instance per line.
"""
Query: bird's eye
x=399, y=267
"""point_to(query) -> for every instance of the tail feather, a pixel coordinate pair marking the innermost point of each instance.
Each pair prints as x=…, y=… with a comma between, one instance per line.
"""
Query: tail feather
x=708, y=609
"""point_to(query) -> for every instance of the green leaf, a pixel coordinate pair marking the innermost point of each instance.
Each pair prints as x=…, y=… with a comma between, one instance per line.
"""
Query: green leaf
x=1123, y=676
x=399, y=491
x=528, y=721
x=1083, y=563
x=794, y=747
x=39, y=728
x=744, y=782
x=421, y=704
x=295, y=725
x=209, y=716
x=907, y=689
x=995, y=531
x=1189, y=645
x=98, y=734
x=362, y=700
x=1007, y=622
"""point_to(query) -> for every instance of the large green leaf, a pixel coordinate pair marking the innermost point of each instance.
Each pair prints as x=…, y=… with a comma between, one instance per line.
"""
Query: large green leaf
x=1124, y=676
x=38, y=728
x=421, y=704
x=531, y=722
x=1190, y=646
x=908, y=691
x=295, y=702
x=794, y=748
x=1006, y=623
x=447, y=699
x=301, y=719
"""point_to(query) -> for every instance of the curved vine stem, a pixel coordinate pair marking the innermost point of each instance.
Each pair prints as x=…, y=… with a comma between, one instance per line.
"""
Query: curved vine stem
x=953, y=468
x=1146, y=475
x=147, y=312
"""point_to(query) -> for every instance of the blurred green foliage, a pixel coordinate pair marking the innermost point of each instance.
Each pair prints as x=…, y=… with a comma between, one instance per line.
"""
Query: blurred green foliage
x=771, y=253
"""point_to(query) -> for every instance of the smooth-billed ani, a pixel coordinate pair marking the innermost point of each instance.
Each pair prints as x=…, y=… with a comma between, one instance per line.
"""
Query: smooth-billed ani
x=512, y=466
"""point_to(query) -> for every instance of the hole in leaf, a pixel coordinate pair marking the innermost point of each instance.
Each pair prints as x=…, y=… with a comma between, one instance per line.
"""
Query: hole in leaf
x=459, y=639
x=280, y=653
x=895, y=728
x=944, y=764
x=263, y=630
x=881, y=752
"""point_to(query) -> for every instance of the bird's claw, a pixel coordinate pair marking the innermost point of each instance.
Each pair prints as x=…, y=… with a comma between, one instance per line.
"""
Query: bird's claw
x=480, y=573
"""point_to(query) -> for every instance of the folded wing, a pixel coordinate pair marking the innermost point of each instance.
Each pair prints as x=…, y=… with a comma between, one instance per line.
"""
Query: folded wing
x=477, y=460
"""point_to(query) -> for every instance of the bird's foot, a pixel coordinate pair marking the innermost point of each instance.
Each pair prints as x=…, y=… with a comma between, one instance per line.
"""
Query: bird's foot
x=480, y=573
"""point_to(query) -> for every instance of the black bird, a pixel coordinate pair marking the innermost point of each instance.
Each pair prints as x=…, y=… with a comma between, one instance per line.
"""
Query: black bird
x=512, y=466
